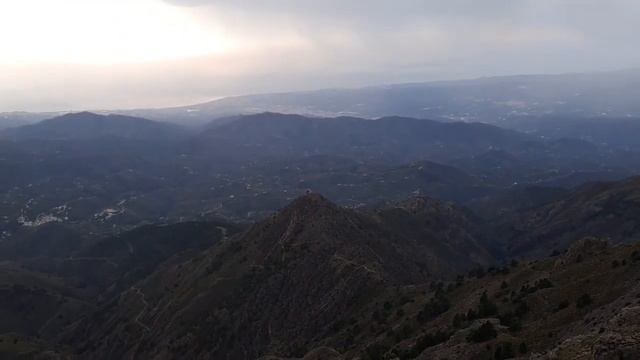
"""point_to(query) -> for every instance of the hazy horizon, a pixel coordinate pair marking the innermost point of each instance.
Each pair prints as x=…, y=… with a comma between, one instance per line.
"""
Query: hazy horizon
x=99, y=54
x=206, y=99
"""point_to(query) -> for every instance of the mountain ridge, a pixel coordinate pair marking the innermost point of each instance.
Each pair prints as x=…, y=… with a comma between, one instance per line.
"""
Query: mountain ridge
x=87, y=125
x=310, y=261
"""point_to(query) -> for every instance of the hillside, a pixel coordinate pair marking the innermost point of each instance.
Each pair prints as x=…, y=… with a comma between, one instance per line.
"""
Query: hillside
x=251, y=166
x=34, y=307
x=318, y=281
x=581, y=305
x=607, y=210
x=44, y=294
x=413, y=279
x=391, y=139
x=111, y=264
x=282, y=283
x=86, y=125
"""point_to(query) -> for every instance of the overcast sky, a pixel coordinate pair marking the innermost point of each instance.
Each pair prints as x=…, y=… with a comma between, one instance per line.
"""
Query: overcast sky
x=108, y=54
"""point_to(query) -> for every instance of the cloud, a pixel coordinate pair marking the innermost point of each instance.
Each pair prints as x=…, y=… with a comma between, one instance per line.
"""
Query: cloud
x=279, y=45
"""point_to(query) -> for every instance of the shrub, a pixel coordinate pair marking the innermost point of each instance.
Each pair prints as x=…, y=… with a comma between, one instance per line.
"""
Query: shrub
x=515, y=325
x=404, y=333
x=426, y=341
x=471, y=315
x=521, y=309
x=439, y=304
x=543, y=284
x=378, y=316
x=484, y=333
x=504, y=351
x=387, y=306
x=583, y=301
x=486, y=307
x=356, y=329
x=523, y=348
x=458, y=320
x=509, y=319
x=563, y=305
x=478, y=272
x=376, y=351
x=298, y=350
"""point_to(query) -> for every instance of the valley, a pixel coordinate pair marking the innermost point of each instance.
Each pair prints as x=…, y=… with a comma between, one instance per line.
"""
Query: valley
x=278, y=236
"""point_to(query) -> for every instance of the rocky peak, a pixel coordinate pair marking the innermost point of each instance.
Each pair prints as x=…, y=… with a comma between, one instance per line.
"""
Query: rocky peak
x=310, y=202
x=582, y=250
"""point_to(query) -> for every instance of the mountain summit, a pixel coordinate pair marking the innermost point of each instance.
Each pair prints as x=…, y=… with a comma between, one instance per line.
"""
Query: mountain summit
x=287, y=279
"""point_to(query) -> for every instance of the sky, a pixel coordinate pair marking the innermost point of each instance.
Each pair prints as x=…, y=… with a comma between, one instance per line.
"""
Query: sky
x=64, y=55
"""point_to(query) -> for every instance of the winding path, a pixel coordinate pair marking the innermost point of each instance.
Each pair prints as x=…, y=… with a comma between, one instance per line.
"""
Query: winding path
x=144, y=309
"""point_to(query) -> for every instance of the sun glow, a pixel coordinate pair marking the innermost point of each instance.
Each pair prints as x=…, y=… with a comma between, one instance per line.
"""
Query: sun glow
x=103, y=32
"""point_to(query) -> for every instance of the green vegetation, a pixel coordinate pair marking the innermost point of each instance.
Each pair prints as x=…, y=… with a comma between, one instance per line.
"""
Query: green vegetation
x=486, y=307
x=504, y=351
x=485, y=332
x=437, y=305
x=376, y=351
x=563, y=305
x=523, y=349
x=426, y=341
x=583, y=301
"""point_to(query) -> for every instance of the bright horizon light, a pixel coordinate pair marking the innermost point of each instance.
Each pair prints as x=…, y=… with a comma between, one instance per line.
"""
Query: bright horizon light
x=103, y=32
x=113, y=54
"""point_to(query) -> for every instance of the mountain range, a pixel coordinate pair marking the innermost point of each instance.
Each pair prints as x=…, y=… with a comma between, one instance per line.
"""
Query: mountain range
x=414, y=279
x=505, y=100
x=87, y=126
x=279, y=236
x=98, y=174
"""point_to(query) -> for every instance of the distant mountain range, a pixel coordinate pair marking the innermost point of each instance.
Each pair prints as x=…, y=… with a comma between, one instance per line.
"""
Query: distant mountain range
x=493, y=100
x=103, y=173
x=391, y=139
x=400, y=233
x=86, y=126
x=122, y=237
x=496, y=100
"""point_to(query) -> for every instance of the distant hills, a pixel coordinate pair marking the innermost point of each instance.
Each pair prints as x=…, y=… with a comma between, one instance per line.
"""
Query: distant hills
x=278, y=236
x=496, y=100
x=86, y=125
x=391, y=139
x=100, y=174
x=505, y=100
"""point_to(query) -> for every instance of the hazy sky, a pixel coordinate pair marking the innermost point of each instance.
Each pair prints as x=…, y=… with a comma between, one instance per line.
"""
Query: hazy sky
x=101, y=54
